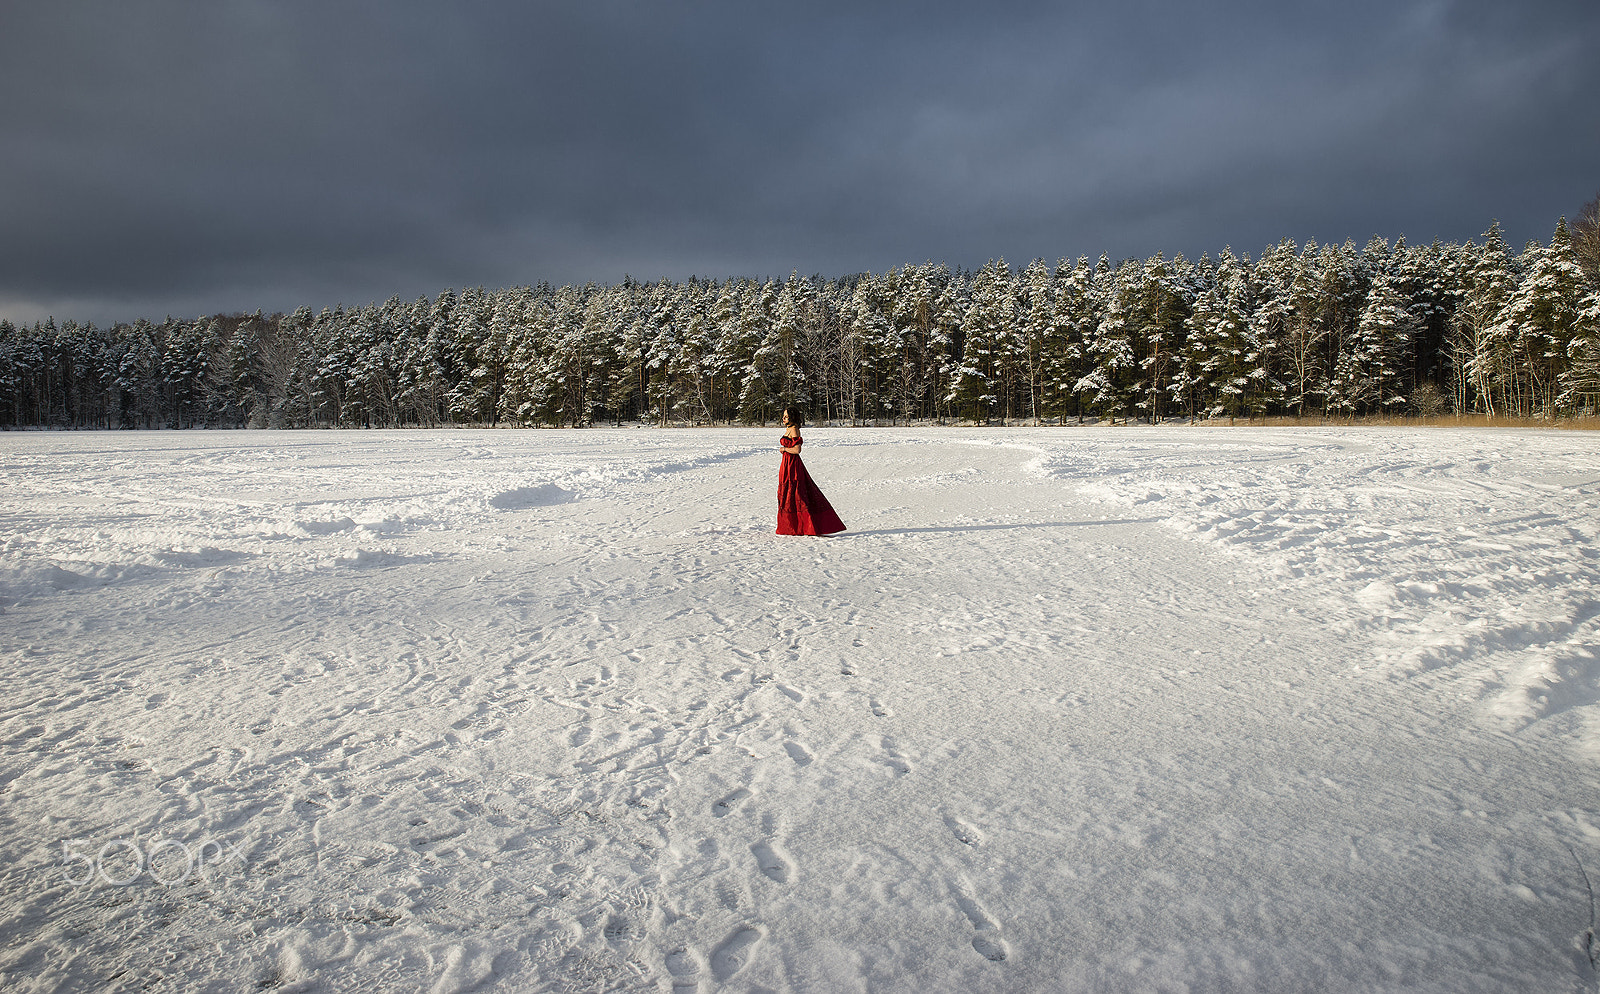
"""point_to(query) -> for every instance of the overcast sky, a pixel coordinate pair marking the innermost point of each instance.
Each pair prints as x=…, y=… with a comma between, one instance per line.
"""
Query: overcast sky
x=192, y=157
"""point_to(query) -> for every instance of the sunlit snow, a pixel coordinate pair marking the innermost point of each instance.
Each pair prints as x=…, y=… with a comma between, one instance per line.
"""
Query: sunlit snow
x=1132, y=709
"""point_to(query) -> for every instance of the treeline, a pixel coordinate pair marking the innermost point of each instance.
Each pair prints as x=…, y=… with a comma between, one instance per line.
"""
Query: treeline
x=1300, y=331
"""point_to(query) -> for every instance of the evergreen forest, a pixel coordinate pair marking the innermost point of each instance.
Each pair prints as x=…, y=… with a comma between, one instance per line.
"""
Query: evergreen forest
x=1300, y=331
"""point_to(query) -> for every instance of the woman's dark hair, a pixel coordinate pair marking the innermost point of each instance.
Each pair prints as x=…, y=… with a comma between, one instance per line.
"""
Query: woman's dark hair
x=795, y=417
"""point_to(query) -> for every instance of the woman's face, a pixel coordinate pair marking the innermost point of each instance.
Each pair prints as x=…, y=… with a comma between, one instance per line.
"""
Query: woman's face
x=786, y=419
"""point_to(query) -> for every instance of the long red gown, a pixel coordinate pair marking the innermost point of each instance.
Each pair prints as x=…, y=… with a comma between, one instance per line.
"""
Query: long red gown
x=802, y=510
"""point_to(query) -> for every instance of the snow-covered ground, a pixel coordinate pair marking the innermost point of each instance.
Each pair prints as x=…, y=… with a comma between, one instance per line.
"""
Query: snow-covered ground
x=1125, y=709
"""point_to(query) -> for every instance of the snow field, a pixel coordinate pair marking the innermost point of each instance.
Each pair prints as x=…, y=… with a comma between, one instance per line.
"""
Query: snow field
x=1088, y=710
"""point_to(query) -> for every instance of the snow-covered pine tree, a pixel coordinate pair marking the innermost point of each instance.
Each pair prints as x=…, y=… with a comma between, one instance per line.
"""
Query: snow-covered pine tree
x=897, y=359
x=604, y=316
x=547, y=323
x=77, y=371
x=728, y=359
x=368, y=375
x=857, y=334
x=910, y=303
x=276, y=371
x=978, y=383
x=1269, y=326
x=474, y=372
x=628, y=376
x=1425, y=283
x=329, y=362
x=430, y=368
x=561, y=379
x=1586, y=241
x=1072, y=321
x=1008, y=349
x=516, y=324
x=1305, y=331
x=1216, y=358
x=1580, y=384
x=1106, y=387
x=1339, y=300
x=31, y=357
x=413, y=365
x=944, y=341
x=1374, y=366
x=12, y=371
x=1036, y=317
x=234, y=375
x=914, y=302
x=1161, y=305
x=1543, y=318
x=779, y=355
x=758, y=381
x=16, y=370
x=664, y=342
x=694, y=380
x=138, y=368
x=1191, y=383
x=1481, y=356
x=185, y=360
x=890, y=379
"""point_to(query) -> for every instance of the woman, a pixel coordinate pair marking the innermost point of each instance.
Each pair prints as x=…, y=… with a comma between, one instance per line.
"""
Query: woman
x=802, y=510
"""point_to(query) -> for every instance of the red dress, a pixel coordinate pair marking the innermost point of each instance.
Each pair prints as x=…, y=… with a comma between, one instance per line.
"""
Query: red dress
x=802, y=510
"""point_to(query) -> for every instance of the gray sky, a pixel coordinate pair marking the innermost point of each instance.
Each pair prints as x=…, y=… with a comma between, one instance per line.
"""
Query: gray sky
x=183, y=157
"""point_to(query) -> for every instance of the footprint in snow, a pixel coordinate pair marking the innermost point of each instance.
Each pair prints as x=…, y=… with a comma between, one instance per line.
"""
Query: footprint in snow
x=618, y=930
x=730, y=803
x=893, y=759
x=964, y=833
x=987, y=941
x=991, y=948
x=773, y=863
x=879, y=710
x=729, y=897
x=684, y=966
x=735, y=952
x=799, y=753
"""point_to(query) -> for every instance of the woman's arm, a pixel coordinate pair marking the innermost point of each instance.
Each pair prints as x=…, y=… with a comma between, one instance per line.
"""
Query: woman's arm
x=790, y=450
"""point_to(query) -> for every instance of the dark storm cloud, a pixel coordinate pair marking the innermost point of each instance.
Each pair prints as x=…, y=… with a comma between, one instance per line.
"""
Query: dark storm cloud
x=181, y=157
